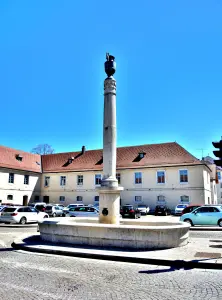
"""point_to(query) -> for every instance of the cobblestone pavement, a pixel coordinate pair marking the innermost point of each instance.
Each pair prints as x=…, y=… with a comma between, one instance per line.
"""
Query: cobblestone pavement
x=36, y=277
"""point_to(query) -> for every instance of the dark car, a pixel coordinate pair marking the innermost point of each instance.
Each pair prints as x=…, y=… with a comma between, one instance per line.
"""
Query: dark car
x=162, y=210
x=190, y=208
x=128, y=211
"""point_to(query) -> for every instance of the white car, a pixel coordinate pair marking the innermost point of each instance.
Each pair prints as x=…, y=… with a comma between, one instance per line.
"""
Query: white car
x=66, y=209
x=22, y=215
x=144, y=209
x=179, y=208
x=83, y=211
x=2, y=208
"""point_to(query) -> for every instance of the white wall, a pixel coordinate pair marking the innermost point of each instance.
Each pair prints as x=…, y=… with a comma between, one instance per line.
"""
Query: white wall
x=18, y=189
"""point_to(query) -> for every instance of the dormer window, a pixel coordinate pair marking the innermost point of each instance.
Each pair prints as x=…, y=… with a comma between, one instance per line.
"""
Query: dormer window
x=141, y=155
x=19, y=157
x=70, y=160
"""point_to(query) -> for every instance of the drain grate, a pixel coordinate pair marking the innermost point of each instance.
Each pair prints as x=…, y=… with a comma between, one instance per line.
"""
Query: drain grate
x=208, y=255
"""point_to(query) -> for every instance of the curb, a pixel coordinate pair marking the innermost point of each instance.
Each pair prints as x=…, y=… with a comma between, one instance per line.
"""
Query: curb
x=18, y=226
x=205, y=228
x=178, y=264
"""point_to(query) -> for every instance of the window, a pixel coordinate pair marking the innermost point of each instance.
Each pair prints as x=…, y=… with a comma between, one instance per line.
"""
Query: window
x=183, y=176
x=118, y=177
x=47, y=181
x=27, y=209
x=184, y=199
x=218, y=175
x=19, y=157
x=221, y=185
x=160, y=176
x=160, y=198
x=138, y=198
x=97, y=179
x=79, y=198
x=213, y=209
x=80, y=180
x=96, y=198
x=26, y=179
x=138, y=177
x=221, y=195
x=203, y=210
x=11, y=178
x=62, y=180
x=10, y=197
x=62, y=198
x=36, y=198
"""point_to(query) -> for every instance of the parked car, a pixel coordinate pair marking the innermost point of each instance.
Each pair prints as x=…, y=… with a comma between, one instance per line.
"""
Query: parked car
x=190, y=208
x=2, y=208
x=204, y=215
x=83, y=211
x=162, y=210
x=40, y=206
x=128, y=211
x=67, y=208
x=54, y=210
x=22, y=215
x=61, y=205
x=144, y=209
x=179, y=208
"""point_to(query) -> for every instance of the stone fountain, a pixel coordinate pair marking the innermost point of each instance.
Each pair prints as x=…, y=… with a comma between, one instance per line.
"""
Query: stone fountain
x=109, y=230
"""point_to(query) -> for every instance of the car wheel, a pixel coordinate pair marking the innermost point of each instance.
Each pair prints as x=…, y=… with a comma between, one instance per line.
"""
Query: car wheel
x=54, y=215
x=23, y=221
x=220, y=222
x=45, y=217
x=189, y=221
x=63, y=215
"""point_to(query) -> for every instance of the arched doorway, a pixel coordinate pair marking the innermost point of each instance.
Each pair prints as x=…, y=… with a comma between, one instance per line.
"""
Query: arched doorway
x=25, y=200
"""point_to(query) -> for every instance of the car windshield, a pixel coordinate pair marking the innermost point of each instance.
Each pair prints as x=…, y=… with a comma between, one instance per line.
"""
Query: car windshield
x=142, y=206
x=181, y=206
x=10, y=209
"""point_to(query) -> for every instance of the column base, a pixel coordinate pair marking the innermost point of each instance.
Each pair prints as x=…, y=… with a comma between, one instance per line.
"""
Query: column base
x=109, y=204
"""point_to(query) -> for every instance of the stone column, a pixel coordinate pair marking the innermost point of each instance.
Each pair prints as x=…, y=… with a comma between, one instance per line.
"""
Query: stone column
x=109, y=192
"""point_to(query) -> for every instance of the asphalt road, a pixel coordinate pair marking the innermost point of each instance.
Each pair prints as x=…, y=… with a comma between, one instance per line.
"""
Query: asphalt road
x=31, y=276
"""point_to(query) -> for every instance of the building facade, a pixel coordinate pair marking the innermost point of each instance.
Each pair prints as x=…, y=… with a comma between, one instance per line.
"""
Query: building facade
x=20, y=176
x=150, y=174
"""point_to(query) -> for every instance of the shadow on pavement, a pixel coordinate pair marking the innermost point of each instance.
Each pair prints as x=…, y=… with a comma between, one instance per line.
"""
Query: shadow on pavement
x=156, y=271
x=6, y=249
x=215, y=246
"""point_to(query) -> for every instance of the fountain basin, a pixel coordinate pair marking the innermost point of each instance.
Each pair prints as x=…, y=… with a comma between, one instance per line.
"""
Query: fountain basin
x=129, y=234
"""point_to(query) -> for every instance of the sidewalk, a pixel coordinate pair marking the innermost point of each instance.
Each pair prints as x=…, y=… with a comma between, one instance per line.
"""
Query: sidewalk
x=198, y=253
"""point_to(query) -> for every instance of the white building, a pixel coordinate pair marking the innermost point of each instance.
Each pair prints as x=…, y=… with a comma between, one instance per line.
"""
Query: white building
x=219, y=185
x=150, y=174
x=216, y=180
x=20, y=176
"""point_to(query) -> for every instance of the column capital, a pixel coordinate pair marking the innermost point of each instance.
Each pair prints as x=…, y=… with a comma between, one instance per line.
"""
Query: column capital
x=110, y=85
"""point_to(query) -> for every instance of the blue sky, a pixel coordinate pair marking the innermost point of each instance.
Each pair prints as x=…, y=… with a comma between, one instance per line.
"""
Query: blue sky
x=169, y=72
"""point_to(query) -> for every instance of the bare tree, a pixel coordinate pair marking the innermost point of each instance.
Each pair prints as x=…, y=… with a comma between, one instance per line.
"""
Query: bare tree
x=43, y=149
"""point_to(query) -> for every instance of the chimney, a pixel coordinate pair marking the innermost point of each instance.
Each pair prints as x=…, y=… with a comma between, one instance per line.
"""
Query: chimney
x=83, y=149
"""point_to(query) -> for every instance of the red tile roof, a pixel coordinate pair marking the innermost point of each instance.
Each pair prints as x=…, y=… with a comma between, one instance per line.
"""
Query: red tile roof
x=156, y=155
x=30, y=162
